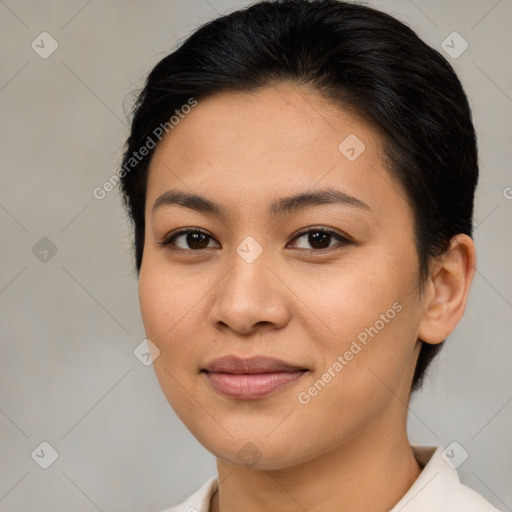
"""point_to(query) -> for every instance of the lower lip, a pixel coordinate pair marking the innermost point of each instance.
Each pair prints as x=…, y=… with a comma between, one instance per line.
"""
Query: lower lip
x=247, y=386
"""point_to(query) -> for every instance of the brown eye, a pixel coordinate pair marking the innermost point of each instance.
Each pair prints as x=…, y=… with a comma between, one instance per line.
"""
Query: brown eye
x=320, y=239
x=188, y=240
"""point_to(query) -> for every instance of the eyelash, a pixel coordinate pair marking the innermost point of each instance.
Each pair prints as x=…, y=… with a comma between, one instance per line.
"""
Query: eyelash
x=343, y=240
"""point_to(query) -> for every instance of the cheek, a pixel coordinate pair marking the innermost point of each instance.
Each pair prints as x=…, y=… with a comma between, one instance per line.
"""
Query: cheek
x=352, y=297
x=164, y=298
x=166, y=308
x=362, y=367
x=154, y=299
x=165, y=304
x=369, y=314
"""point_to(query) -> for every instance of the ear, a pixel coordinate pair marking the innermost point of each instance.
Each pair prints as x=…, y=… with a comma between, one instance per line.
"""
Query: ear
x=447, y=289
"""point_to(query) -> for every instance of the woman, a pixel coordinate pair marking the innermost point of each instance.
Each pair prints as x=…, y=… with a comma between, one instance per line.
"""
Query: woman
x=300, y=175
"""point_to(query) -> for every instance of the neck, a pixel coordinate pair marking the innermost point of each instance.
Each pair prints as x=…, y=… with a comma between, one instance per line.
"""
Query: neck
x=359, y=475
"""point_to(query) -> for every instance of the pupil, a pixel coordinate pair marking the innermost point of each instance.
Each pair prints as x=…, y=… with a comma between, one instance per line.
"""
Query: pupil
x=319, y=237
x=197, y=240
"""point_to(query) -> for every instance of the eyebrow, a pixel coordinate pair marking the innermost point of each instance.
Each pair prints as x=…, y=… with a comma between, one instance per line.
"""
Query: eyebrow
x=281, y=207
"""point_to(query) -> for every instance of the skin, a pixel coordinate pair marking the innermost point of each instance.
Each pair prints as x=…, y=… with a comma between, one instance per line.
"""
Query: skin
x=347, y=448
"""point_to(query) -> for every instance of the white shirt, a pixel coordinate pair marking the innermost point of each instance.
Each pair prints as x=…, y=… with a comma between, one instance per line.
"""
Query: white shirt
x=437, y=489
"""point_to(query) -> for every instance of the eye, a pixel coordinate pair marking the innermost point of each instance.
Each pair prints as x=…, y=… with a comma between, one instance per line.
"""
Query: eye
x=320, y=238
x=192, y=240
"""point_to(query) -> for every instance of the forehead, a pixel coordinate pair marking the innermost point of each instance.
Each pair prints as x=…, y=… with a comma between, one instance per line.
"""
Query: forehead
x=282, y=138
x=280, y=119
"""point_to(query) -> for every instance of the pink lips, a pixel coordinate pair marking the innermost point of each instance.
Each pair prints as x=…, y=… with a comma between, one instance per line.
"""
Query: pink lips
x=250, y=378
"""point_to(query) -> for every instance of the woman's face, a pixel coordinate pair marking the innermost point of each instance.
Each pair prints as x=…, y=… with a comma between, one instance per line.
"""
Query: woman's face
x=265, y=278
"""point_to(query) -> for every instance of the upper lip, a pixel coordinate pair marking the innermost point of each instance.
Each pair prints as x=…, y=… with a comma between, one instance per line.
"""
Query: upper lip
x=256, y=364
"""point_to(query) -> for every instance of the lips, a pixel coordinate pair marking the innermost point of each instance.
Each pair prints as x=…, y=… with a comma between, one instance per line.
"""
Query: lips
x=256, y=364
x=251, y=378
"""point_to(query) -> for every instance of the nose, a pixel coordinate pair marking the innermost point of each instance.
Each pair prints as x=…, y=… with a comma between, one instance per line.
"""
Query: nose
x=250, y=297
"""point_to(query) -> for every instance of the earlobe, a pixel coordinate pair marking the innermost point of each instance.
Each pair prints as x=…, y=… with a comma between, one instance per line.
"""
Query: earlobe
x=447, y=290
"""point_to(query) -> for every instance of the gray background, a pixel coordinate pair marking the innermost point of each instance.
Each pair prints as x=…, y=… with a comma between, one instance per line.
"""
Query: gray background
x=69, y=325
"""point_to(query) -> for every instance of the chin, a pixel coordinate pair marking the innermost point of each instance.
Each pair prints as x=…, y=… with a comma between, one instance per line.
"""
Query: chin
x=260, y=453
